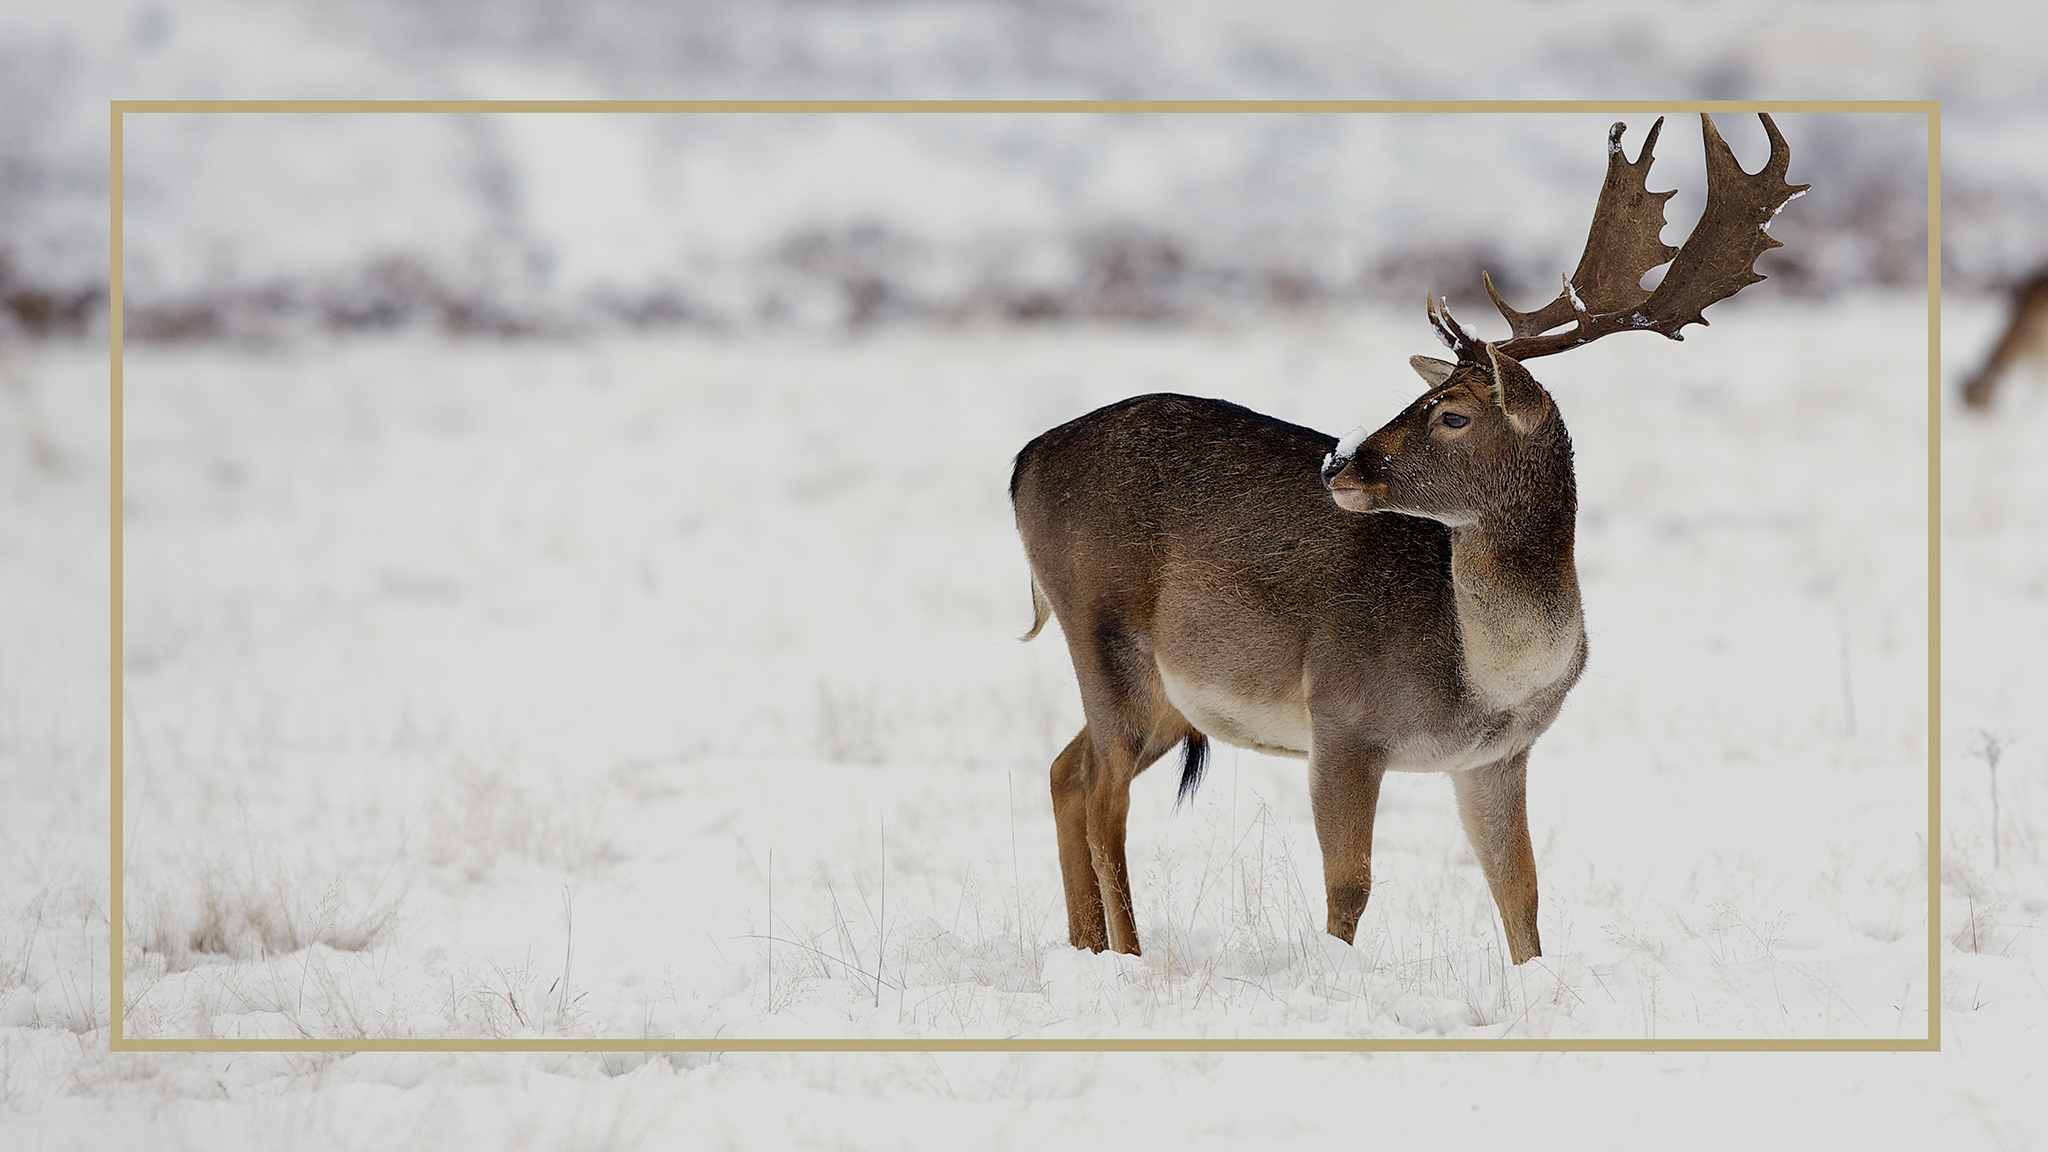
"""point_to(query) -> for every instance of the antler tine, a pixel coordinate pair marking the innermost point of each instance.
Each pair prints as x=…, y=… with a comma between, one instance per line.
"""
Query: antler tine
x=1621, y=246
x=1716, y=261
x=1626, y=238
x=1455, y=336
x=1558, y=311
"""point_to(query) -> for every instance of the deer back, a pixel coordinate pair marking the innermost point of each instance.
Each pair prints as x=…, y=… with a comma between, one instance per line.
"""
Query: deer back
x=1199, y=536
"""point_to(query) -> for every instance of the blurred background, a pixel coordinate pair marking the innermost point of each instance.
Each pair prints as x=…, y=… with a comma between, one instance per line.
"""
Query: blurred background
x=254, y=227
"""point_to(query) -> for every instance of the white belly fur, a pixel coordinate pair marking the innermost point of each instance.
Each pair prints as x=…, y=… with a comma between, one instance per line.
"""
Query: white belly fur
x=1424, y=756
x=1275, y=726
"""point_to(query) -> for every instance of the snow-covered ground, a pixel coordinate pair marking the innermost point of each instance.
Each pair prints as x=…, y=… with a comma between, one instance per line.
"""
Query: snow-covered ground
x=531, y=655
x=472, y=686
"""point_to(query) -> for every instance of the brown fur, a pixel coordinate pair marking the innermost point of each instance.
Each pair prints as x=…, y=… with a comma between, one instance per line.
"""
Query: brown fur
x=1199, y=562
x=2026, y=334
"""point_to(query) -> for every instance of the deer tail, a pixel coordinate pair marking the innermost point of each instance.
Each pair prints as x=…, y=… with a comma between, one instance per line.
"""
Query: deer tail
x=1194, y=760
x=1040, y=610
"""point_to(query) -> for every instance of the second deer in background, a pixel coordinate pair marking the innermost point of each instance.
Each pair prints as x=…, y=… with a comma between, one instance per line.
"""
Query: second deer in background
x=2025, y=336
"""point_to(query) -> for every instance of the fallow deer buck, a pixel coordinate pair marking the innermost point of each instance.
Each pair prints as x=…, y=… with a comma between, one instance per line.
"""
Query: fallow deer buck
x=1402, y=601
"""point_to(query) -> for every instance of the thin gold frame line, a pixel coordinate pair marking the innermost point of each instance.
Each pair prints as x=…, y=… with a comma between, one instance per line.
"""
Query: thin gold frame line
x=1934, y=576
x=1930, y=108
x=1021, y=1045
x=1024, y=106
x=116, y=921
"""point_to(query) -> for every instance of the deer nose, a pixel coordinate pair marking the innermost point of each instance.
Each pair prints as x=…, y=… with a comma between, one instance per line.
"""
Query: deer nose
x=1344, y=472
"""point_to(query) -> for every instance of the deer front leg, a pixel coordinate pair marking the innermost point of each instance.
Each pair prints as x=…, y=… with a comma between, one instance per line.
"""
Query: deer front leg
x=1493, y=802
x=1344, y=794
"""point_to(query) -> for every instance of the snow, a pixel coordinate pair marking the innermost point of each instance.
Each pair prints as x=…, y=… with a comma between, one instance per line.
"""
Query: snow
x=1766, y=225
x=471, y=687
x=1352, y=439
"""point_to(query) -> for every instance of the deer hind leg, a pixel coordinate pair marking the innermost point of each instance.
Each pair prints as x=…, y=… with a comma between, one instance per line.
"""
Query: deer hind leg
x=1344, y=795
x=1109, y=808
x=1072, y=772
x=1091, y=804
x=1119, y=759
x=1130, y=725
x=1493, y=802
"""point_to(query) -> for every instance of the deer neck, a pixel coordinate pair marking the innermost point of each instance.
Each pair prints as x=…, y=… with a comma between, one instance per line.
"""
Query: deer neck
x=1517, y=596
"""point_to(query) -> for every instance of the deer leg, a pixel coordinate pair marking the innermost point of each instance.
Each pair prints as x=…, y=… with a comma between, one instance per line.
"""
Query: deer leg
x=1109, y=808
x=1130, y=725
x=1344, y=794
x=1978, y=388
x=1493, y=802
x=1071, y=773
x=2027, y=328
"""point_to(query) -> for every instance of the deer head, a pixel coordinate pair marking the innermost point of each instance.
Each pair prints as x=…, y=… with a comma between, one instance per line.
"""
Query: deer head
x=1484, y=443
x=1486, y=417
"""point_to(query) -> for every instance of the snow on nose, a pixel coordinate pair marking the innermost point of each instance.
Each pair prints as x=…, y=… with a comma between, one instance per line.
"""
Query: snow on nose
x=1346, y=448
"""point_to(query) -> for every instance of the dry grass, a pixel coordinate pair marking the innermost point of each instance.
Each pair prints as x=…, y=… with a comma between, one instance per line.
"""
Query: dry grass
x=224, y=911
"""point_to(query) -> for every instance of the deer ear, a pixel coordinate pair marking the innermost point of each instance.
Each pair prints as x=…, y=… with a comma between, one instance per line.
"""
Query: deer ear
x=1519, y=396
x=1432, y=370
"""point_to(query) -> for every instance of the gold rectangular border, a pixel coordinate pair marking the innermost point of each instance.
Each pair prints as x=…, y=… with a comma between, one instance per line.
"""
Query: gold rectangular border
x=117, y=109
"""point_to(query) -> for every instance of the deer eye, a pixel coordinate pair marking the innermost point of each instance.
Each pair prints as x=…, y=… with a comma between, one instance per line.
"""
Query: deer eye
x=1453, y=420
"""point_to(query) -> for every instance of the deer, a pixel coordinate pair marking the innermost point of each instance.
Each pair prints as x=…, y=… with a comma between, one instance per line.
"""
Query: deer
x=1404, y=600
x=2026, y=335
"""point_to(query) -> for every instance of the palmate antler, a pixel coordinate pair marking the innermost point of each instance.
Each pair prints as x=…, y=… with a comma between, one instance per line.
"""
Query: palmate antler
x=1605, y=296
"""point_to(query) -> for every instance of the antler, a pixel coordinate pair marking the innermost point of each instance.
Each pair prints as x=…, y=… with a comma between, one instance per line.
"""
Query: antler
x=1605, y=296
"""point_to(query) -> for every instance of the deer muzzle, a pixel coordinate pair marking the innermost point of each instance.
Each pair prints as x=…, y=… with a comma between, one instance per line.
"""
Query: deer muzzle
x=1349, y=487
